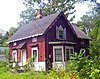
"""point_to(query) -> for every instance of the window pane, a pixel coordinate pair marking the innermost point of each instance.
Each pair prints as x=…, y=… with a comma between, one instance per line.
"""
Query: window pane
x=58, y=54
x=61, y=34
x=71, y=51
x=67, y=54
x=35, y=55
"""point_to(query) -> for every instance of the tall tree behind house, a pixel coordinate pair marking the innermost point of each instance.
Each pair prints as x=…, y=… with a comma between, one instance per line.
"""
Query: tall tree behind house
x=48, y=7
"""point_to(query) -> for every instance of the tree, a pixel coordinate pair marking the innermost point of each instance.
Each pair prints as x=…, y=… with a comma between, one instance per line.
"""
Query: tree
x=5, y=35
x=11, y=31
x=47, y=7
x=86, y=23
x=92, y=22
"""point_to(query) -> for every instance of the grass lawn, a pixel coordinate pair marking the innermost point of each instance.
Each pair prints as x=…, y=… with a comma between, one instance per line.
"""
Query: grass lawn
x=34, y=75
x=27, y=75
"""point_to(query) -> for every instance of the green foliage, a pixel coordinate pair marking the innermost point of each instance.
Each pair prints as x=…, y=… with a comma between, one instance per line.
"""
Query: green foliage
x=48, y=7
x=83, y=67
x=86, y=23
x=91, y=25
x=5, y=35
x=3, y=67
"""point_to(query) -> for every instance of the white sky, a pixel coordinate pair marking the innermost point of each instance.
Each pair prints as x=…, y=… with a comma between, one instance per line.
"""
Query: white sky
x=10, y=12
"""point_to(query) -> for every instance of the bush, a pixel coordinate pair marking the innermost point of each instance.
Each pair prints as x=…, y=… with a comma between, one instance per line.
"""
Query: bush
x=83, y=67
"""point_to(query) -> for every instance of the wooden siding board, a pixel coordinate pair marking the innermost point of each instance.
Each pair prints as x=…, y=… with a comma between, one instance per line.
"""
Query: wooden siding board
x=41, y=49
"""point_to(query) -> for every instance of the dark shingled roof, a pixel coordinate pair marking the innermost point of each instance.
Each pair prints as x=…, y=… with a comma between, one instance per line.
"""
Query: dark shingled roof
x=80, y=33
x=34, y=28
x=38, y=27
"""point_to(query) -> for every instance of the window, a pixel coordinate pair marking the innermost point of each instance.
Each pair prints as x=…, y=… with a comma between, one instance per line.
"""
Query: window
x=14, y=44
x=68, y=52
x=35, y=54
x=58, y=54
x=34, y=39
x=60, y=33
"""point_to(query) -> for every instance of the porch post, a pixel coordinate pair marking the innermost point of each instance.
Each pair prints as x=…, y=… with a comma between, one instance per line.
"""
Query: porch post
x=19, y=54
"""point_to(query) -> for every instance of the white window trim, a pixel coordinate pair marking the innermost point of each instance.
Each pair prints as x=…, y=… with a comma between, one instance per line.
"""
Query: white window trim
x=35, y=48
x=60, y=29
x=55, y=47
x=69, y=47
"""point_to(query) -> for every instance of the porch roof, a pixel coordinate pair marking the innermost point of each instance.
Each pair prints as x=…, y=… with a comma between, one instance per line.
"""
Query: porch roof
x=20, y=45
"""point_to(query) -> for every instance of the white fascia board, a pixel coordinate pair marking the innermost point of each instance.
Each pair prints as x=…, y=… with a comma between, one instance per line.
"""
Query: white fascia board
x=25, y=38
x=61, y=42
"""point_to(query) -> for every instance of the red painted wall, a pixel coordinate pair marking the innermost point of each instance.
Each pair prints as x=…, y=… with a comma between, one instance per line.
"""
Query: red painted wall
x=41, y=48
x=28, y=46
x=70, y=37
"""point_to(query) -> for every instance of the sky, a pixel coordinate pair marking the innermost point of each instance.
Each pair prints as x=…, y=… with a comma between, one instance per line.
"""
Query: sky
x=10, y=12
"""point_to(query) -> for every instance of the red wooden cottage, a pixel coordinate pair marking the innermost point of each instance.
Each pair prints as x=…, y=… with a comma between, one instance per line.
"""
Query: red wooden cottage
x=51, y=39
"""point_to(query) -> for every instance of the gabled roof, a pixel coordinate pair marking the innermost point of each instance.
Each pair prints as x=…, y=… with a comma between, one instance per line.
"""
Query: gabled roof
x=79, y=33
x=38, y=27
x=35, y=28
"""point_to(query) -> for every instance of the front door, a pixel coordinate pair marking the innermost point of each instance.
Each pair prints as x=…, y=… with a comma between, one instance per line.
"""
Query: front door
x=58, y=57
x=14, y=55
x=23, y=56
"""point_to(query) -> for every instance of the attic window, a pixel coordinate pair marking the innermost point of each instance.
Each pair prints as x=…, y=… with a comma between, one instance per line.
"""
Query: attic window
x=14, y=44
x=34, y=39
x=60, y=33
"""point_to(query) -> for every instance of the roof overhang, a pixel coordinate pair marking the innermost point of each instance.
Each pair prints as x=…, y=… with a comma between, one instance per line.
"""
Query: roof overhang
x=24, y=38
x=19, y=46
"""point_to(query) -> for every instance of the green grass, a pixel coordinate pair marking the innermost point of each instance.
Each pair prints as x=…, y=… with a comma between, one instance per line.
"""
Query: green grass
x=27, y=75
x=53, y=74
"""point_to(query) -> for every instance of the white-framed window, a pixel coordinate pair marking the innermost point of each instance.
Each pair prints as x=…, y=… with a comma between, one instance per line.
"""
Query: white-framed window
x=35, y=54
x=58, y=54
x=60, y=33
x=14, y=44
x=69, y=50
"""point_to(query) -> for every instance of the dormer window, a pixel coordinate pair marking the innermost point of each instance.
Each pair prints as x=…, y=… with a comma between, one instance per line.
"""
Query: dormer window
x=14, y=44
x=60, y=33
